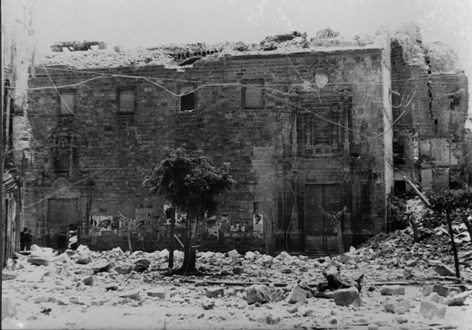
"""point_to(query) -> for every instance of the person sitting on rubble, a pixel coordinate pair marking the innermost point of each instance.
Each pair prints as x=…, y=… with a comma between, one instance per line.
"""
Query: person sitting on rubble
x=23, y=239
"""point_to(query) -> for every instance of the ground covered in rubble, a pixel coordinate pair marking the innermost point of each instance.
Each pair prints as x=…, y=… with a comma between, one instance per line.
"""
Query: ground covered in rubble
x=406, y=285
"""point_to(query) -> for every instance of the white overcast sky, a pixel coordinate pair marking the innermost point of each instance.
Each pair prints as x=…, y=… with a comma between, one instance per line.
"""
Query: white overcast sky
x=148, y=23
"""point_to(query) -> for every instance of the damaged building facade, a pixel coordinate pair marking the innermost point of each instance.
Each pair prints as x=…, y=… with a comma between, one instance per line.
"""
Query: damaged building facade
x=17, y=49
x=307, y=132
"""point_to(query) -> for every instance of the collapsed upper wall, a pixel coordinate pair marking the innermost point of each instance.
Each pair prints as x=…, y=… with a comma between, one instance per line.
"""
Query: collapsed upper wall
x=435, y=57
x=172, y=56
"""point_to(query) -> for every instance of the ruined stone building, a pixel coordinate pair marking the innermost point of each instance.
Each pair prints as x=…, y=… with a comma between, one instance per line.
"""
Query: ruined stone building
x=17, y=48
x=308, y=127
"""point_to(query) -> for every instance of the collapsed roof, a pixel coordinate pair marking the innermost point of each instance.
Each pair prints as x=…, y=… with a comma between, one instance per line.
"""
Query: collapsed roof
x=441, y=57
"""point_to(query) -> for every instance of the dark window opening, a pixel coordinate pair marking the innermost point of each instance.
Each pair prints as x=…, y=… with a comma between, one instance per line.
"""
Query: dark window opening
x=127, y=100
x=187, y=102
x=253, y=94
x=454, y=185
x=67, y=101
x=399, y=187
x=188, y=98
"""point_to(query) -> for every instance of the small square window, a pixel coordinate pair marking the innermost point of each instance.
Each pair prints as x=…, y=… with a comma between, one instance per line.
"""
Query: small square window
x=67, y=100
x=188, y=98
x=253, y=94
x=127, y=100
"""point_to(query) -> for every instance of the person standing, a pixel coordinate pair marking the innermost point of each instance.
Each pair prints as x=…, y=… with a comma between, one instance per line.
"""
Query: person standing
x=28, y=240
x=23, y=239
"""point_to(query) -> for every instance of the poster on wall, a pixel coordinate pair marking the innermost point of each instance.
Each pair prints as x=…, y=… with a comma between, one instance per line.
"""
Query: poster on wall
x=103, y=222
x=225, y=221
x=258, y=225
x=213, y=227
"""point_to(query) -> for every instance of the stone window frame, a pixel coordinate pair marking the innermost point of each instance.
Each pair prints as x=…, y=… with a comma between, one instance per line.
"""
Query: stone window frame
x=121, y=89
x=66, y=112
x=254, y=82
x=186, y=90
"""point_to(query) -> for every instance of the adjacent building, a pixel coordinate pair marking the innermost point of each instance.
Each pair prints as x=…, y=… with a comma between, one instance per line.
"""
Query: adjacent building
x=17, y=49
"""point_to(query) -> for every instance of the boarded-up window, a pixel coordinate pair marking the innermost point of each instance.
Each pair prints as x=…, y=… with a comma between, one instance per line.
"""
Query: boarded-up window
x=253, y=94
x=188, y=98
x=67, y=101
x=127, y=99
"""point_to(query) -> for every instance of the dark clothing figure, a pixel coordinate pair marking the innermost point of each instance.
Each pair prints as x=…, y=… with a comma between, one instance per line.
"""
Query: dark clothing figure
x=23, y=239
x=28, y=240
x=61, y=242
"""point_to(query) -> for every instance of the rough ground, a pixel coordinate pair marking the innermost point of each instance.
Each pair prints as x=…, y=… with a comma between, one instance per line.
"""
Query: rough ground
x=107, y=290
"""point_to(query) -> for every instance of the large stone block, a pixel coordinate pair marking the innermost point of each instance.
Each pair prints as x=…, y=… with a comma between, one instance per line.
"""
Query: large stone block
x=347, y=297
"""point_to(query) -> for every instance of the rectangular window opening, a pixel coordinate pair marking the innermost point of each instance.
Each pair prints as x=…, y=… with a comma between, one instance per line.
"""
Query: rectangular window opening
x=253, y=94
x=127, y=100
x=67, y=101
x=187, y=98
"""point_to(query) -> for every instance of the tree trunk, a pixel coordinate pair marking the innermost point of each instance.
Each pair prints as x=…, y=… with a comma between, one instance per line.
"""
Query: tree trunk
x=128, y=236
x=171, y=243
x=189, y=264
x=340, y=237
x=190, y=260
x=454, y=249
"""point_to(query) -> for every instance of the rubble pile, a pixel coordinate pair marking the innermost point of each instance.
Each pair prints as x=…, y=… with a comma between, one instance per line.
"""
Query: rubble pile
x=107, y=58
x=401, y=285
x=171, y=56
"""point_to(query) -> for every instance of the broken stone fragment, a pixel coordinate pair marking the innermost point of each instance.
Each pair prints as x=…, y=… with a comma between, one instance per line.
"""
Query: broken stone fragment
x=400, y=306
x=297, y=295
x=101, y=266
x=444, y=291
x=434, y=296
x=88, y=281
x=131, y=295
x=458, y=299
x=258, y=293
x=38, y=261
x=225, y=272
x=411, y=263
x=427, y=289
x=443, y=270
x=214, y=292
x=208, y=305
x=8, y=276
x=157, y=293
x=83, y=260
x=141, y=265
x=430, y=309
x=392, y=290
x=249, y=255
x=63, y=258
x=292, y=309
x=237, y=270
x=123, y=269
x=233, y=254
x=8, y=308
x=287, y=271
x=111, y=288
x=346, y=297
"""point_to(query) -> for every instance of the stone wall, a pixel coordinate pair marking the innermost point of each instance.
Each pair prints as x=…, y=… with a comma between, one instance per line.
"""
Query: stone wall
x=248, y=113
x=430, y=109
